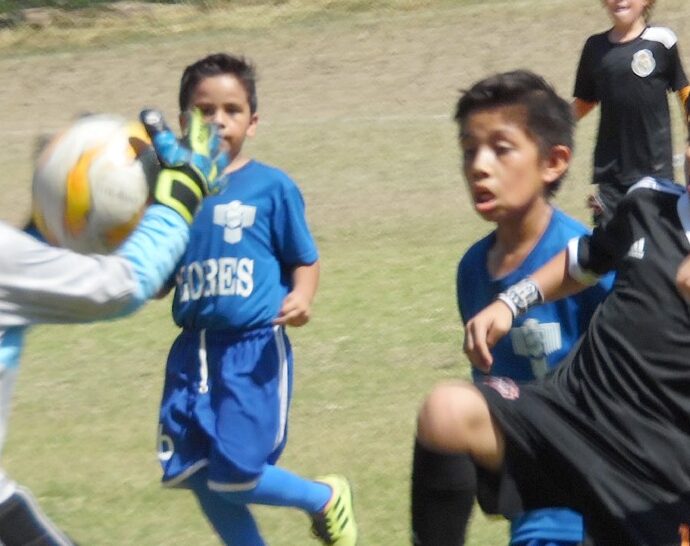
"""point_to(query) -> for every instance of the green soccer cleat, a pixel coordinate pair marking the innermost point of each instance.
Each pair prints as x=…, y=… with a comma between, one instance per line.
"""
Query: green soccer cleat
x=336, y=524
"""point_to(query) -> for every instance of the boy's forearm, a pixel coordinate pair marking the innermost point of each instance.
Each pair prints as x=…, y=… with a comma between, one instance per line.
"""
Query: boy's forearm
x=684, y=98
x=305, y=280
x=553, y=279
x=580, y=108
x=550, y=282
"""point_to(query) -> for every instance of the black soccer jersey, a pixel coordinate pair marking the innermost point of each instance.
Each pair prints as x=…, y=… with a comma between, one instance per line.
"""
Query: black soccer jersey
x=608, y=434
x=637, y=349
x=630, y=81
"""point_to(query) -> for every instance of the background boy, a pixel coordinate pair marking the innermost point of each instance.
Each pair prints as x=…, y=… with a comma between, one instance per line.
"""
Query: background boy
x=250, y=269
x=628, y=70
x=516, y=135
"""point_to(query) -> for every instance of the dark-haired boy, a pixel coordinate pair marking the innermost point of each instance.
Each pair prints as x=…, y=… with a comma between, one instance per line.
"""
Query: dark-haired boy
x=516, y=136
x=250, y=270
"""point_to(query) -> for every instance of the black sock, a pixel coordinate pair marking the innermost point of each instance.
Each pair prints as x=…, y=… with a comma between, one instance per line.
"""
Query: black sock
x=443, y=492
x=22, y=522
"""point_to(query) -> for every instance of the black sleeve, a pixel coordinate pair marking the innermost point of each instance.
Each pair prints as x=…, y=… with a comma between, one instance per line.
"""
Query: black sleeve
x=677, y=79
x=585, y=88
x=601, y=251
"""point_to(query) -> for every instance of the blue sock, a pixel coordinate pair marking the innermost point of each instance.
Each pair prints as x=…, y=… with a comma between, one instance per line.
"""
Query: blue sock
x=233, y=522
x=278, y=487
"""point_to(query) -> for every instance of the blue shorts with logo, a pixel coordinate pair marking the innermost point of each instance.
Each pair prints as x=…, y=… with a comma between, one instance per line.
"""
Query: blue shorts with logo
x=225, y=404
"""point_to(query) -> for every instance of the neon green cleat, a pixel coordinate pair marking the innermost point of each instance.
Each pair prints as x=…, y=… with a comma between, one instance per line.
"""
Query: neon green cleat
x=336, y=524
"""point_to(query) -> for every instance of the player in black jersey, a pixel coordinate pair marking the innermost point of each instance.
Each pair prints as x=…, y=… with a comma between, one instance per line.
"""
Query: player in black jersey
x=608, y=433
x=628, y=70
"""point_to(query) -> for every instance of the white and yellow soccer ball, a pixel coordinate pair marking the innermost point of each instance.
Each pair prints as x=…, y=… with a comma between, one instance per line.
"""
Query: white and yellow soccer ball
x=91, y=183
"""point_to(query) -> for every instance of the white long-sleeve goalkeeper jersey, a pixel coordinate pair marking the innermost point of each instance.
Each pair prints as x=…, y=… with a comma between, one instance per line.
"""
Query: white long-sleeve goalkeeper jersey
x=44, y=284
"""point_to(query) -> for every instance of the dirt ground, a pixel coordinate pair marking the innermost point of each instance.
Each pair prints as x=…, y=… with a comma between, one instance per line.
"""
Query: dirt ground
x=396, y=64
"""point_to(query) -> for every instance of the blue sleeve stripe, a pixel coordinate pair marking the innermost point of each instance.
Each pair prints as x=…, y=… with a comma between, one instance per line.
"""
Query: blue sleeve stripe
x=154, y=249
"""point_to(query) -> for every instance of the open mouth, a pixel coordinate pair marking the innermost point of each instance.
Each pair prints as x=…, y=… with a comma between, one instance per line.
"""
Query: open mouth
x=483, y=200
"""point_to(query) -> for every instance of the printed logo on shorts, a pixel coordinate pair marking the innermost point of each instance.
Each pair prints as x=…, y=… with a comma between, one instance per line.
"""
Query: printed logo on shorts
x=166, y=447
x=643, y=63
x=234, y=217
x=504, y=386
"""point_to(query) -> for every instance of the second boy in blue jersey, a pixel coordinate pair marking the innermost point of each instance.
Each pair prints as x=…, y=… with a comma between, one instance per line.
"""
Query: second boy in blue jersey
x=250, y=270
x=541, y=338
x=516, y=140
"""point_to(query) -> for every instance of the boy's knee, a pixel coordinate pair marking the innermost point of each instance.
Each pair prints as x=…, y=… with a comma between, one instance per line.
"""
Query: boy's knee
x=450, y=416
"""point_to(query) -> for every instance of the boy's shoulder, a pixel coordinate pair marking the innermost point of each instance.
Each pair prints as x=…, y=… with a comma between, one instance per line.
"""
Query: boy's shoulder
x=568, y=223
x=265, y=174
x=649, y=190
x=259, y=168
x=599, y=38
x=662, y=35
x=478, y=250
x=561, y=228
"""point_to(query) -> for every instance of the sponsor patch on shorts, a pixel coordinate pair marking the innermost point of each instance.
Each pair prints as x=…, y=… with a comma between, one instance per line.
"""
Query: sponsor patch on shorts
x=504, y=386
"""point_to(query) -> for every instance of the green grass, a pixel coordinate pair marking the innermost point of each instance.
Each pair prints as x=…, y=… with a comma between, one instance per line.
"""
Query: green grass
x=356, y=104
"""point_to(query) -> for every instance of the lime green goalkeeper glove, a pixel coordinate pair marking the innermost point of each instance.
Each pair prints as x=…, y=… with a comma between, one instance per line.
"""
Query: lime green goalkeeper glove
x=190, y=167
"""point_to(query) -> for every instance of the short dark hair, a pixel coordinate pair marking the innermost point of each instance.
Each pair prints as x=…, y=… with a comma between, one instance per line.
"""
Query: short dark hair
x=549, y=119
x=218, y=64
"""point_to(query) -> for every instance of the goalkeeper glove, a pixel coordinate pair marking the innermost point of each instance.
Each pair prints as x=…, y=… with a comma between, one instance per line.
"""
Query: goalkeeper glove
x=190, y=166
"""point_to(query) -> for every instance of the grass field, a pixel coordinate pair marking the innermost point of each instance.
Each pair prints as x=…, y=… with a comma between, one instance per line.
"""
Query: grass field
x=355, y=103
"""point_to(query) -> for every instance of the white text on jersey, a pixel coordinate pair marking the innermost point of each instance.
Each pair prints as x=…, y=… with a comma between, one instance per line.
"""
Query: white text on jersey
x=225, y=276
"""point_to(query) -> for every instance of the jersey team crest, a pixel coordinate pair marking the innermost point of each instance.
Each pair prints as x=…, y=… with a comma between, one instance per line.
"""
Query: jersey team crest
x=643, y=63
x=234, y=216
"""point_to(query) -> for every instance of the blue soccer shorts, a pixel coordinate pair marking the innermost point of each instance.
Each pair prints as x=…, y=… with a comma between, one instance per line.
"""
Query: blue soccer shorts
x=225, y=405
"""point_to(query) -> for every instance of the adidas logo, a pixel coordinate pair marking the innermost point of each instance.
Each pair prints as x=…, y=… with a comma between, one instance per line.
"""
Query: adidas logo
x=637, y=249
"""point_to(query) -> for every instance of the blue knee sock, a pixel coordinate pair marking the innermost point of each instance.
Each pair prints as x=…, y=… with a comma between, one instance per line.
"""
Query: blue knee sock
x=278, y=487
x=233, y=522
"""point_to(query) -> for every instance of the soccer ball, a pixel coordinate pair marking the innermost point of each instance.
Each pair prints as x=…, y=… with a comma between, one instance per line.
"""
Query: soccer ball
x=91, y=183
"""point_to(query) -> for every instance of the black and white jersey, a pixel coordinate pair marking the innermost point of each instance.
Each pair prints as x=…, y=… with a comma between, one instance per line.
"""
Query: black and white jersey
x=633, y=367
x=630, y=81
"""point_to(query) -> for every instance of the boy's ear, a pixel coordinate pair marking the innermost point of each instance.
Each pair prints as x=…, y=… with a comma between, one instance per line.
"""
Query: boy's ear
x=251, y=130
x=556, y=163
x=183, y=122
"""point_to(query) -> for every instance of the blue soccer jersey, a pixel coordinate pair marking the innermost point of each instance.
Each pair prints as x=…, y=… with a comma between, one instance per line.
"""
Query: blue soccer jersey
x=244, y=244
x=231, y=364
x=541, y=337
x=537, y=342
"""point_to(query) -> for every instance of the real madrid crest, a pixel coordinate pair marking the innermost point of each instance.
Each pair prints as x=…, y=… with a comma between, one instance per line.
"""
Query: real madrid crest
x=643, y=63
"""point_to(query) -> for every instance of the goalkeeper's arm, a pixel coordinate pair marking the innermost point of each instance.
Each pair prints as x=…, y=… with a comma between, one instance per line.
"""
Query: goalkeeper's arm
x=41, y=283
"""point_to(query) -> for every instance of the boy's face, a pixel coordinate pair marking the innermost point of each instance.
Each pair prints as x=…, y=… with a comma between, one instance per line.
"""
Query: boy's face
x=625, y=12
x=223, y=100
x=501, y=163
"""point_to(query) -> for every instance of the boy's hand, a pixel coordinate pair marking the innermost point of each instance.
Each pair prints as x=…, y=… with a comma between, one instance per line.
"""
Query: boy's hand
x=483, y=331
x=295, y=311
x=683, y=278
x=595, y=204
x=190, y=167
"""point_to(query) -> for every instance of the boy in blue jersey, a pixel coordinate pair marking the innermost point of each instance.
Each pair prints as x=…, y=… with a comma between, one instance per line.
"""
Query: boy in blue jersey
x=516, y=136
x=250, y=270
